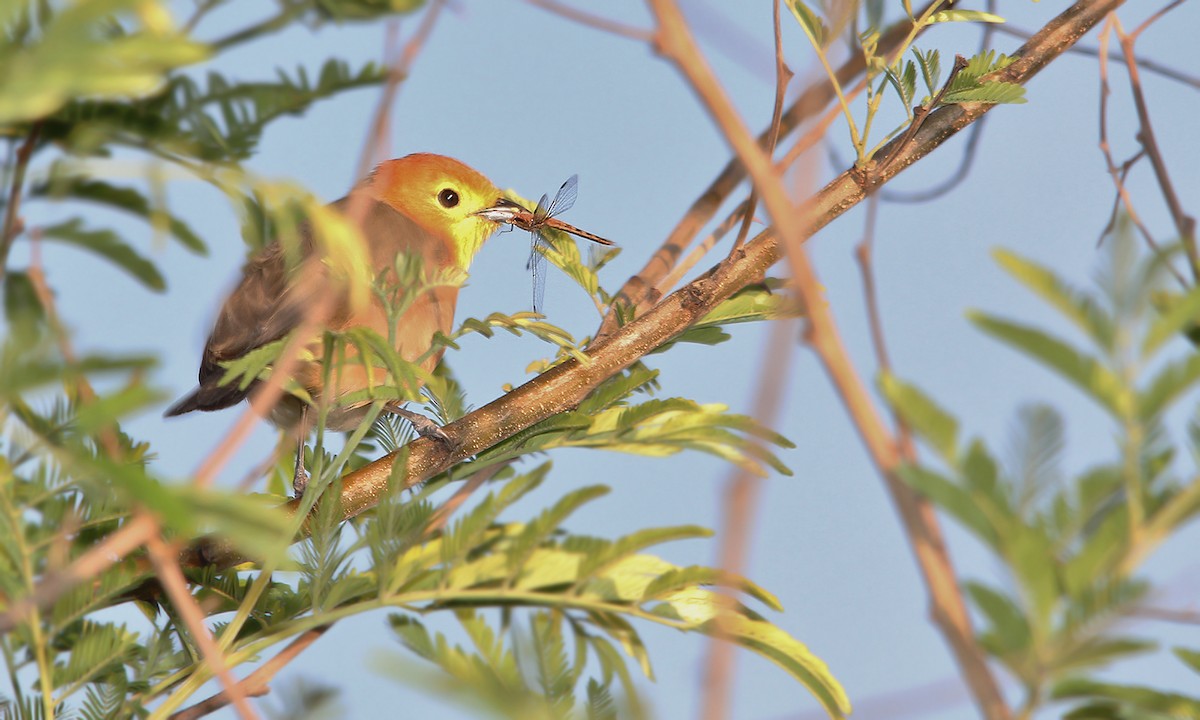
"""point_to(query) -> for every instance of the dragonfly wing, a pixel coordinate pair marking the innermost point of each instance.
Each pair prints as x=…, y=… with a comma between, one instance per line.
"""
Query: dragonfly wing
x=565, y=197
x=542, y=211
x=537, y=268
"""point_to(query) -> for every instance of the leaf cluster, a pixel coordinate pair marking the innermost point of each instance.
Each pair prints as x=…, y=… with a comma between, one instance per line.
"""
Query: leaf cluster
x=1073, y=546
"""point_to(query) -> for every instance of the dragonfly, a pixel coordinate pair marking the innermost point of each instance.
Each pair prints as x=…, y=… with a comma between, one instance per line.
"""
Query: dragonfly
x=536, y=222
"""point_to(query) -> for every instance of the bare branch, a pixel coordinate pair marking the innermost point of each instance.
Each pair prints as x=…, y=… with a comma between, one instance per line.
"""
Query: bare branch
x=593, y=21
x=255, y=684
x=170, y=576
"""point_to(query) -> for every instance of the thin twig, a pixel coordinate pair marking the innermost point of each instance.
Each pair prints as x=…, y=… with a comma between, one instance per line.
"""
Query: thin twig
x=1185, y=224
x=638, y=291
x=1123, y=196
x=1146, y=64
x=166, y=566
x=1183, y=617
x=864, y=253
x=442, y=515
x=401, y=67
x=593, y=21
x=783, y=76
x=920, y=521
x=970, y=150
x=693, y=258
x=255, y=684
x=742, y=492
x=922, y=112
x=108, y=552
x=11, y=228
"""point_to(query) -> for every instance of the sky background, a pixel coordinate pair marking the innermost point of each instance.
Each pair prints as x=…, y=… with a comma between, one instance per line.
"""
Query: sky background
x=529, y=99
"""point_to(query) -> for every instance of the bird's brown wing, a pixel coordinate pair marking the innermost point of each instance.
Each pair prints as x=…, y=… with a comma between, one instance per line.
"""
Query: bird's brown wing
x=266, y=305
x=263, y=308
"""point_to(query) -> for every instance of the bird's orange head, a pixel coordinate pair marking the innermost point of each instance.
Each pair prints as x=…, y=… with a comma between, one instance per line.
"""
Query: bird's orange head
x=443, y=196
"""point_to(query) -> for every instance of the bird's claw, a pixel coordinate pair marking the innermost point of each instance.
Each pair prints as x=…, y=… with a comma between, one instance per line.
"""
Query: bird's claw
x=299, y=481
x=423, y=426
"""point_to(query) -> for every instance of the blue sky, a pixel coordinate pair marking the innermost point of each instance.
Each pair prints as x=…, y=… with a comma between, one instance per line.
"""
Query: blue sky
x=529, y=99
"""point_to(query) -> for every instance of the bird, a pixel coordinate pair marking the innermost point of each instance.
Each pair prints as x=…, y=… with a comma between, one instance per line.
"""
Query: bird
x=430, y=207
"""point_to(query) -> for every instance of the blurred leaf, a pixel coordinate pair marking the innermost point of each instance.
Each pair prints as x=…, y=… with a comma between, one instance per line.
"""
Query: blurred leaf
x=255, y=524
x=106, y=409
x=1171, y=382
x=1009, y=637
x=1142, y=698
x=106, y=244
x=121, y=198
x=1076, y=306
x=814, y=28
x=1191, y=658
x=1096, y=380
x=944, y=16
x=780, y=648
x=952, y=498
x=1181, y=313
x=923, y=415
x=80, y=54
x=22, y=308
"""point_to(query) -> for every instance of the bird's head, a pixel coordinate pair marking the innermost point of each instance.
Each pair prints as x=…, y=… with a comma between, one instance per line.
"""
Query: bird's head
x=446, y=198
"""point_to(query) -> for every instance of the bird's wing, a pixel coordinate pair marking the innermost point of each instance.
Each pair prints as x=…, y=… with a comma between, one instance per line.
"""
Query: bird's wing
x=264, y=307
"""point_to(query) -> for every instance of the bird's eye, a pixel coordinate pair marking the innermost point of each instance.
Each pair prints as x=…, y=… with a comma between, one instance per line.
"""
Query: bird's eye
x=448, y=198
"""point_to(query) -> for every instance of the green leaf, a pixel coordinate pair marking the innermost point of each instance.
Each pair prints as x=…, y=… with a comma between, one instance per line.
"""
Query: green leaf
x=683, y=578
x=1170, y=383
x=951, y=498
x=945, y=16
x=1191, y=658
x=79, y=54
x=922, y=414
x=931, y=69
x=814, y=28
x=121, y=198
x=788, y=653
x=546, y=523
x=106, y=244
x=969, y=84
x=1078, y=307
x=992, y=93
x=767, y=300
x=1096, y=380
x=255, y=524
x=1142, y=698
x=1009, y=636
x=106, y=409
x=1182, y=312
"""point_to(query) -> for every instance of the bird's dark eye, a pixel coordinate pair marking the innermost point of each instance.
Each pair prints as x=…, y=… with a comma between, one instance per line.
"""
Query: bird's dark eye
x=448, y=198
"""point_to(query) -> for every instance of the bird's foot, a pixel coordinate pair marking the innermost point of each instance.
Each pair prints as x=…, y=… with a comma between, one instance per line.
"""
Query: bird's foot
x=299, y=474
x=424, y=427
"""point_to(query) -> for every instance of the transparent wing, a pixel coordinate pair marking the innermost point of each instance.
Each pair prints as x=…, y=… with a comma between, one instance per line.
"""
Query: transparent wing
x=564, y=198
x=542, y=211
x=537, y=267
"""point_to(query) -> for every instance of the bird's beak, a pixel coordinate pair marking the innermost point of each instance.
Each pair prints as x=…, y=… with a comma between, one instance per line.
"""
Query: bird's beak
x=503, y=210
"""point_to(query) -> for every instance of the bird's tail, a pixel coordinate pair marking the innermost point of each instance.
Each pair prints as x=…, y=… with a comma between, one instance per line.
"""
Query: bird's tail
x=207, y=397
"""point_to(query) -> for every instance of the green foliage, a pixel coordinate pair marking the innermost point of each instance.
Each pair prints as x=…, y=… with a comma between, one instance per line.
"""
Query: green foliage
x=969, y=84
x=900, y=75
x=84, y=51
x=552, y=617
x=109, y=246
x=120, y=198
x=1072, y=547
